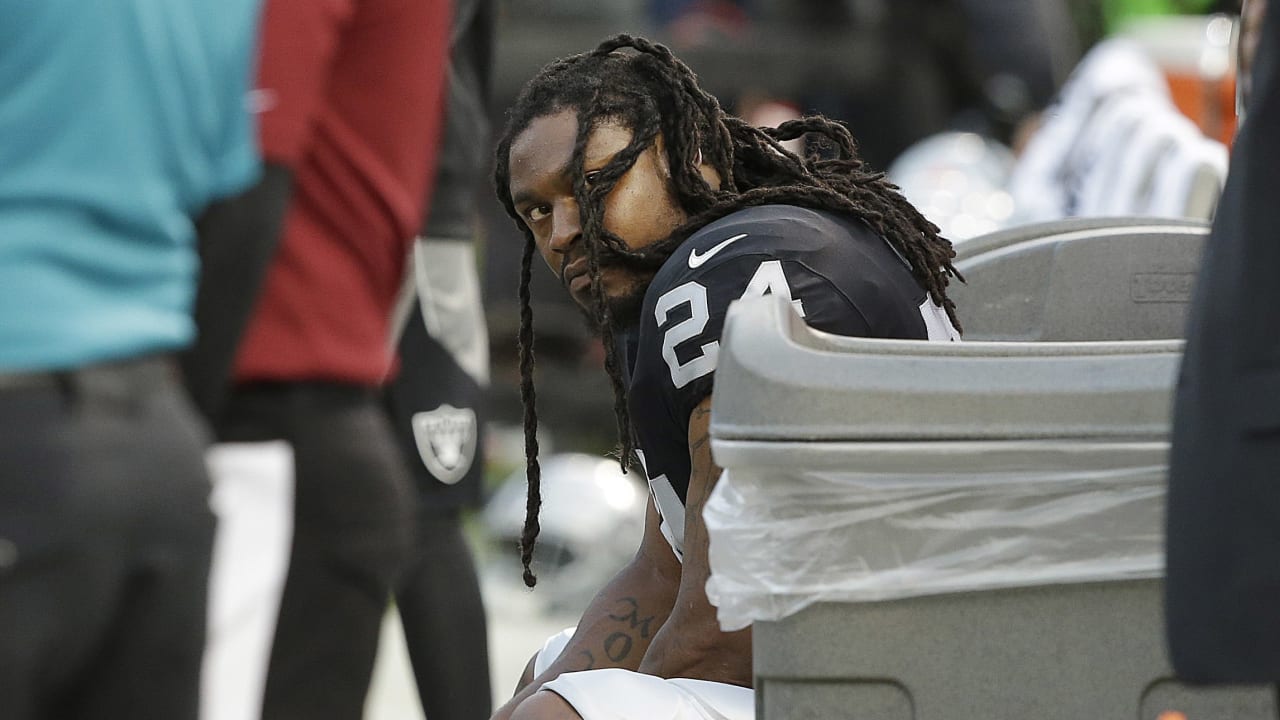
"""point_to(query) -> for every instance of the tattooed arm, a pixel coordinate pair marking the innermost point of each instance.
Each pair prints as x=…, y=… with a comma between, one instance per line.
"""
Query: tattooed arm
x=691, y=644
x=620, y=623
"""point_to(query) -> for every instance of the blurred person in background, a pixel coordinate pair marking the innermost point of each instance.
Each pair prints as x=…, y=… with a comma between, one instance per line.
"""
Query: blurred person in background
x=1223, y=521
x=695, y=22
x=437, y=399
x=1140, y=126
x=1014, y=55
x=123, y=121
x=1113, y=143
x=350, y=93
x=656, y=209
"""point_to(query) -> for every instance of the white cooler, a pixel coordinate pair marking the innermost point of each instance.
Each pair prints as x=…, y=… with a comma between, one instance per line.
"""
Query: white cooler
x=964, y=531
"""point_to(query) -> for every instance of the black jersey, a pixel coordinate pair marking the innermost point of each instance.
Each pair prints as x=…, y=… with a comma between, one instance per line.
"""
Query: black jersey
x=840, y=276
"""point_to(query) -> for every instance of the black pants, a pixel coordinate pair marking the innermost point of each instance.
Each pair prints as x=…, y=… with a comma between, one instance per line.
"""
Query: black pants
x=443, y=619
x=105, y=540
x=352, y=524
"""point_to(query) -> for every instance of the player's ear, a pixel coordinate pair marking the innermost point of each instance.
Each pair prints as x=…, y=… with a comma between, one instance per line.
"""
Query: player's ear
x=707, y=171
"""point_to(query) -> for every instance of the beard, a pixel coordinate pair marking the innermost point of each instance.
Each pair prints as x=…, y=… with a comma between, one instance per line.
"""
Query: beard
x=624, y=308
x=625, y=304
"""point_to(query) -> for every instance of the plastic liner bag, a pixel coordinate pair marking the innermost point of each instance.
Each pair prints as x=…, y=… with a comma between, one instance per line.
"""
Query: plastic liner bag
x=782, y=539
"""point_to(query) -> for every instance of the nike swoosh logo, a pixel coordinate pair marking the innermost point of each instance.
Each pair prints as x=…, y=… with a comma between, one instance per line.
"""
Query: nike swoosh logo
x=696, y=260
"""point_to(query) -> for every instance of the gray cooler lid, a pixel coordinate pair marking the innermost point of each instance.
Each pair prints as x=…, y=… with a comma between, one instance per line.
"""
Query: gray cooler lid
x=1083, y=279
x=778, y=379
x=1077, y=325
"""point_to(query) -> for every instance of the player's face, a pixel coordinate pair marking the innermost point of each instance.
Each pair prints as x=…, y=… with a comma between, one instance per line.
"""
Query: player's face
x=641, y=209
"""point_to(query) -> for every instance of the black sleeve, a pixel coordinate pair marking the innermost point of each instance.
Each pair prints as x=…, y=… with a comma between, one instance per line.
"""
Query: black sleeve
x=236, y=238
x=1222, y=582
x=464, y=150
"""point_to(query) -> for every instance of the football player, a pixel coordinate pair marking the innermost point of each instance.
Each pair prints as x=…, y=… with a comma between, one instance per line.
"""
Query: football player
x=657, y=210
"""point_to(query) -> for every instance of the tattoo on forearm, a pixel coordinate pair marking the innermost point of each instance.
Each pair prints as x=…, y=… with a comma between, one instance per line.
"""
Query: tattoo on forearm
x=631, y=615
x=591, y=659
x=697, y=446
x=705, y=439
x=703, y=466
x=618, y=646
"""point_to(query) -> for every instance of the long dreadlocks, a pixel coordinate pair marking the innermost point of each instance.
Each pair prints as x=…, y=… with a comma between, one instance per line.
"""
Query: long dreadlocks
x=651, y=92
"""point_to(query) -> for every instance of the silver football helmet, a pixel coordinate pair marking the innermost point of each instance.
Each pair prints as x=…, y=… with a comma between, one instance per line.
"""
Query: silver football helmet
x=592, y=519
x=957, y=180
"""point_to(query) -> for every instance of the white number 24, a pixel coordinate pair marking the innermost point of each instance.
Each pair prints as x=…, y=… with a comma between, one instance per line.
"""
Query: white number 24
x=767, y=279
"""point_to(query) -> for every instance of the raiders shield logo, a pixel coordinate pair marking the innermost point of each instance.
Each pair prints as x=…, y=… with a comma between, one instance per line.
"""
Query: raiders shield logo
x=446, y=440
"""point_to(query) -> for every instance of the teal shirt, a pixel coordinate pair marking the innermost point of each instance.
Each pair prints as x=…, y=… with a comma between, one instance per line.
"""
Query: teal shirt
x=120, y=121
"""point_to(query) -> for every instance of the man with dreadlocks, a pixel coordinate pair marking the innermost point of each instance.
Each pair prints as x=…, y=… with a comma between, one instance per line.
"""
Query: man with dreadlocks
x=657, y=210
